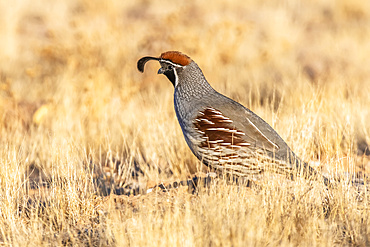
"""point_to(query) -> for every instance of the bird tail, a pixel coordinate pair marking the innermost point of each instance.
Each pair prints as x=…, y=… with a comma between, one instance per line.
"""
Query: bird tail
x=309, y=172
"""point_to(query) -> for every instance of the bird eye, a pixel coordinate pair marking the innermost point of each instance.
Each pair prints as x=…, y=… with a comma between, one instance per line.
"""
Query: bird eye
x=170, y=67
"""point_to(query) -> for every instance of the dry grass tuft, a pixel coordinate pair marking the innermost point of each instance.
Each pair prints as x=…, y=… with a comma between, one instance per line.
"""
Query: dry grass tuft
x=78, y=121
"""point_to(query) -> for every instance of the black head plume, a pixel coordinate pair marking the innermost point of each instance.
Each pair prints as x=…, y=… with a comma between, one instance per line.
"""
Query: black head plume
x=141, y=63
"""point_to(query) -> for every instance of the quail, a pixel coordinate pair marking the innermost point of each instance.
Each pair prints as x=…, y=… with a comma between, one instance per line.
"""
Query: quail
x=223, y=134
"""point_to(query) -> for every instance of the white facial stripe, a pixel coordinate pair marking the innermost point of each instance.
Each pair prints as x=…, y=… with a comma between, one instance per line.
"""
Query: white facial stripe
x=176, y=77
x=173, y=64
x=174, y=71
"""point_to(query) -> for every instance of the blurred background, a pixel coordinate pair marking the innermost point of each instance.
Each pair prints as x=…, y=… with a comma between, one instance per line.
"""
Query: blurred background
x=78, y=120
x=70, y=93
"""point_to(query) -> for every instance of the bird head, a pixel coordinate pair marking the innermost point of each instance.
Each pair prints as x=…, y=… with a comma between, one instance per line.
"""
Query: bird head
x=172, y=63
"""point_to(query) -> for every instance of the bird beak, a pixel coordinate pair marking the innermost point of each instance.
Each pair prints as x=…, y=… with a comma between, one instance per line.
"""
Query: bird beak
x=161, y=71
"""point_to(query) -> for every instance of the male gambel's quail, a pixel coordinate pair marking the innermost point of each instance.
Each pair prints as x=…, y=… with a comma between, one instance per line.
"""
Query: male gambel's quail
x=220, y=132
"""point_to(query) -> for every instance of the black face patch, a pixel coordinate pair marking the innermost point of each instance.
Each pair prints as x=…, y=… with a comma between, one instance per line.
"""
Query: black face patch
x=171, y=76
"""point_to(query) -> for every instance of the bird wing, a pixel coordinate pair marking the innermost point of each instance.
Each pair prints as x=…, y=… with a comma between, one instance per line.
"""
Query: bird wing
x=218, y=129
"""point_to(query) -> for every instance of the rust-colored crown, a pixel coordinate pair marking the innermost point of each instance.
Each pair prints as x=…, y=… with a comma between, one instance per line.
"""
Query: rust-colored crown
x=176, y=57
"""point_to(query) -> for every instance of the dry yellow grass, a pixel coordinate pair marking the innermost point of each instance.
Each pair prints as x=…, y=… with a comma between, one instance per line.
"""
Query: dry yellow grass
x=77, y=118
